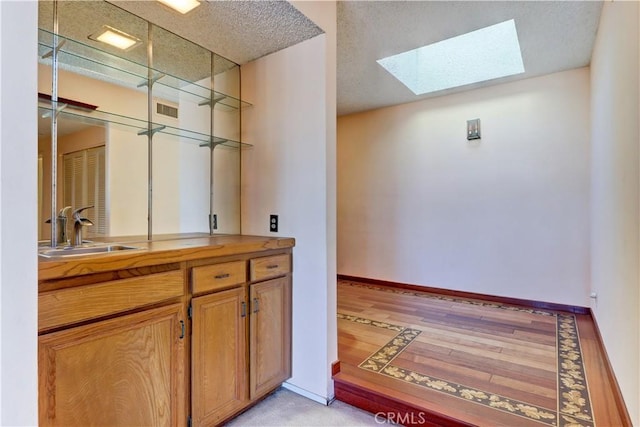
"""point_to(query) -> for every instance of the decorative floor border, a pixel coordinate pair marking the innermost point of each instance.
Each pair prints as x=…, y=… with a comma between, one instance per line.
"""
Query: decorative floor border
x=438, y=297
x=574, y=403
x=375, y=323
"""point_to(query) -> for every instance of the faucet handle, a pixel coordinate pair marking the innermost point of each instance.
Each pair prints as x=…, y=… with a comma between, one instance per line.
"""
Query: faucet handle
x=84, y=221
x=63, y=212
x=78, y=223
x=76, y=215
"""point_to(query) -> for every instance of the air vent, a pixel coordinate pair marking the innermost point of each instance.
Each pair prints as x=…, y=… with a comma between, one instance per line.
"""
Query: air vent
x=166, y=110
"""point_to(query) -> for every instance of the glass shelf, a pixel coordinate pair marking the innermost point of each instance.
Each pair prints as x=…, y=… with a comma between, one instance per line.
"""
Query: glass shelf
x=102, y=65
x=141, y=127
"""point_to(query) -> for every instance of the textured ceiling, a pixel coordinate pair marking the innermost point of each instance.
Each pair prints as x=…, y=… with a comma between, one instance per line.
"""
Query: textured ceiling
x=238, y=30
x=553, y=35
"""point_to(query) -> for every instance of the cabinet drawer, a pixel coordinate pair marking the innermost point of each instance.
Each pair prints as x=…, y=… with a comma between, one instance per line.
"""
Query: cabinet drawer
x=270, y=266
x=72, y=305
x=218, y=276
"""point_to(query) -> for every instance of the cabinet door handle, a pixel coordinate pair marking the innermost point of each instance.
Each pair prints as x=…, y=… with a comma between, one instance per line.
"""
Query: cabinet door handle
x=221, y=276
x=181, y=329
x=256, y=307
x=243, y=309
x=272, y=266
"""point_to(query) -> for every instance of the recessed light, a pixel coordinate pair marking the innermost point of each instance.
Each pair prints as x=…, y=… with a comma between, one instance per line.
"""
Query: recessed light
x=484, y=54
x=182, y=6
x=116, y=38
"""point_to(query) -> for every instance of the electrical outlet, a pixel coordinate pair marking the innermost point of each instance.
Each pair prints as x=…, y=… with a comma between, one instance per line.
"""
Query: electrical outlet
x=273, y=223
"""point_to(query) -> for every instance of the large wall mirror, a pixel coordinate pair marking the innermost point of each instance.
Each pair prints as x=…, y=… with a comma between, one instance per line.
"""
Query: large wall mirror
x=147, y=133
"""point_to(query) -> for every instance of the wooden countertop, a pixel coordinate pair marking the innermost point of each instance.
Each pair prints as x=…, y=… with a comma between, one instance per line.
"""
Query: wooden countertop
x=157, y=252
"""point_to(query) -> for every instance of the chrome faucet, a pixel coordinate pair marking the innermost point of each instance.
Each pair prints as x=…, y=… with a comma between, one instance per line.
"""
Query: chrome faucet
x=78, y=223
x=61, y=226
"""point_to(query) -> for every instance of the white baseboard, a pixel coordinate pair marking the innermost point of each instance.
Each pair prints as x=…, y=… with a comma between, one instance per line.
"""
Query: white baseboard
x=309, y=395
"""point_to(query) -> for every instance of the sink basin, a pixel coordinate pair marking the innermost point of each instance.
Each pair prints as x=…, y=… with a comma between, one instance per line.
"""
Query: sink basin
x=47, y=243
x=84, y=250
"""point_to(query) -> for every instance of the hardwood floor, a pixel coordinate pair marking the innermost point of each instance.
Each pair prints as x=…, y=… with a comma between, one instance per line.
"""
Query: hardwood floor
x=427, y=359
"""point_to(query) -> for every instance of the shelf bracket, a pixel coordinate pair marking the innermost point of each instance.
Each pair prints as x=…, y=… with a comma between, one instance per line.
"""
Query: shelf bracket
x=61, y=106
x=213, y=143
x=151, y=131
x=212, y=102
x=57, y=49
x=152, y=81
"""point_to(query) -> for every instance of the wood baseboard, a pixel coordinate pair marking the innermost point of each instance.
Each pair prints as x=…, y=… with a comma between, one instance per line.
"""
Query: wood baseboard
x=335, y=368
x=617, y=393
x=541, y=305
x=387, y=408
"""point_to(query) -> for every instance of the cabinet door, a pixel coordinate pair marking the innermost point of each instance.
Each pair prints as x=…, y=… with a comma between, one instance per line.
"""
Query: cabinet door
x=121, y=372
x=270, y=335
x=218, y=343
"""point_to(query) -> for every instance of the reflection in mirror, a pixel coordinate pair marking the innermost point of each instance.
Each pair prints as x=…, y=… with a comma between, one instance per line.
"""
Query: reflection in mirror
x=109, y=148
x=180, y=165
x=199, y=183
x=125, y=152
x=226, y=158
x=92, y=72
x=81, y=173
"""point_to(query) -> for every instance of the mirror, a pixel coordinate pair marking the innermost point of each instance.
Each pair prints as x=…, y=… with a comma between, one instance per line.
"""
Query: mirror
x=103, y=148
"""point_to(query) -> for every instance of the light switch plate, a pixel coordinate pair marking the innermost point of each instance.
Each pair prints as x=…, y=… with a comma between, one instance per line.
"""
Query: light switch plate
x=473, y=129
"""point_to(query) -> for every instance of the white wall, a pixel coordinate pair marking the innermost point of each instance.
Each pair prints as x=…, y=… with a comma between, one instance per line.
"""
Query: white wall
x=615, y=187
x=506, y=216
x=324, y=14
x=18, y=214
x=288, y=172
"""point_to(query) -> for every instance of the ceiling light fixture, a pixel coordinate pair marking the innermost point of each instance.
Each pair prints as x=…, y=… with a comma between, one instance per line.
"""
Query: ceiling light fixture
x=116, y=38
x=481, y=55
x=182, y=6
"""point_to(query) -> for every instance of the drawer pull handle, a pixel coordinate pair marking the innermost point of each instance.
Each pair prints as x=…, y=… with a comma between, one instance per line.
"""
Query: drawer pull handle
x=181, y=329
x=272, y=266
x=221, y=276
x=256, y=308
x=243, y=309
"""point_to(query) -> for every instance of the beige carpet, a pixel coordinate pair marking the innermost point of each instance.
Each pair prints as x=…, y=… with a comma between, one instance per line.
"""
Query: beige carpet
x=285, y=408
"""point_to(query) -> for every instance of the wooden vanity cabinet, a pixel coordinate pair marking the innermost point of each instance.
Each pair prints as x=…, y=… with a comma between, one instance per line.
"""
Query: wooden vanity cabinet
x=218, y=342
x=241, y=337
x=270, y=323
x=124, y=370
x=176, y=342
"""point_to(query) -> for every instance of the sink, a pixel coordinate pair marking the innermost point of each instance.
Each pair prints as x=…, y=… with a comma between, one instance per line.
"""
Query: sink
x=84, y=250
x=47, y=243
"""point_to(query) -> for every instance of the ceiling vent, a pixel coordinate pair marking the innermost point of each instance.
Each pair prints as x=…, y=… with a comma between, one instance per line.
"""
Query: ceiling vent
x=166, y=110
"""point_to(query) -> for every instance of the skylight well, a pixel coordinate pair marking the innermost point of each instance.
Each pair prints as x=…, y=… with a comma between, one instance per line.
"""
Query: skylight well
x=484, y=54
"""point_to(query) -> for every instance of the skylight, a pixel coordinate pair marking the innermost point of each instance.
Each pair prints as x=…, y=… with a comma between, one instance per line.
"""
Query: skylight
x=484, y=54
